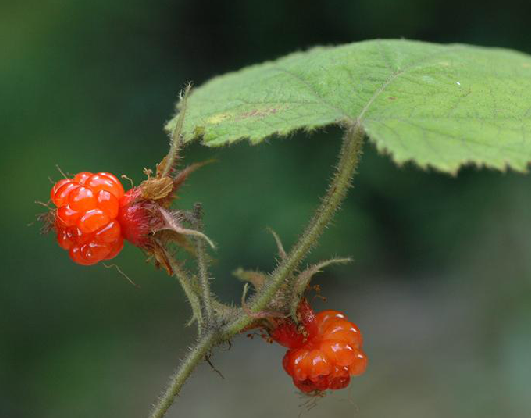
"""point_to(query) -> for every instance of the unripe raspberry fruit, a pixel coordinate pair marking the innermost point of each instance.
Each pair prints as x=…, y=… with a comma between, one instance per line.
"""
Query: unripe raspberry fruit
x=325, y=353
x=85, y=219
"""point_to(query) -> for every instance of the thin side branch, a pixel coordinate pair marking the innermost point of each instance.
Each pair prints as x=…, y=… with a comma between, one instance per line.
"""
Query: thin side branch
x=186, y=284
x=203, y=267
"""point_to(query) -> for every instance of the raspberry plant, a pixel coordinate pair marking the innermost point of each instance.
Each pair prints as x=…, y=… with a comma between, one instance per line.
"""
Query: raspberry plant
x=437, y=106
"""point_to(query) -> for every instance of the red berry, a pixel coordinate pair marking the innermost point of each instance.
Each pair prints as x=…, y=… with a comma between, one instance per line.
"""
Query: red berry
x=85, y=220
x=324, y=353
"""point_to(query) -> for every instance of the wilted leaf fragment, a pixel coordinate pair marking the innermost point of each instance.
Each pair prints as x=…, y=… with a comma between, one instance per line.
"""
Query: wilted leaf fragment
x=437, y=105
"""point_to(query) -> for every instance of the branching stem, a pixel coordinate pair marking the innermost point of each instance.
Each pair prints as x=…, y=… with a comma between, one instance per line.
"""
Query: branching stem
x=346, y=168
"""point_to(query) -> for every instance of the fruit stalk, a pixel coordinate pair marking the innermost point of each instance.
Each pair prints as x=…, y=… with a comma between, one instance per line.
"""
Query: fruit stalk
x=203, y=267
x=185, y=282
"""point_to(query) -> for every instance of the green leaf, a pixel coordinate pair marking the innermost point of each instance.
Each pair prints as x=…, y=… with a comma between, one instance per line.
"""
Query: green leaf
x=437, y=105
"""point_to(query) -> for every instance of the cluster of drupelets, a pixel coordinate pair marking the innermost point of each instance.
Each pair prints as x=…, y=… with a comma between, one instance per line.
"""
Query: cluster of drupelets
x=86, y=218
x=324, y=349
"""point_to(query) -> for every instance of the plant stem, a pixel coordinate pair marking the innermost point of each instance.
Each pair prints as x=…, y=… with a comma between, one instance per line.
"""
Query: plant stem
x=185, y=283
x=194, y=357
x=202, y=265
x=346, y=168
x=176, y=133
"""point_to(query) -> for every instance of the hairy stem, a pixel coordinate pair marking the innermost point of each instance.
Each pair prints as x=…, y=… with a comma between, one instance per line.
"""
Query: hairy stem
x=348, y=161
x=346, y=168
x=203, y=268
x=186, y=284
x=176, y=133
x=187, y=366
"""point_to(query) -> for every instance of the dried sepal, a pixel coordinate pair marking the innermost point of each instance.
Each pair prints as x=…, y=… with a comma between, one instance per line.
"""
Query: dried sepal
x=304, y=278
x=156, y=188
x=167, y=235
x=161, y=257
x=280, y=247
x=256, y=278
x=181, y=177
x=161, y=167
x=172, y=222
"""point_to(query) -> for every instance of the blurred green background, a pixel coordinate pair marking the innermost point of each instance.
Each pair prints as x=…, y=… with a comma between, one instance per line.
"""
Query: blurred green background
x=441, y=286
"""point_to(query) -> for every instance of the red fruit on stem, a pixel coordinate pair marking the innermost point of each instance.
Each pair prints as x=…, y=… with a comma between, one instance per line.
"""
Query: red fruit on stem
x=324, y=351
x=85, y=219
x=89, y=203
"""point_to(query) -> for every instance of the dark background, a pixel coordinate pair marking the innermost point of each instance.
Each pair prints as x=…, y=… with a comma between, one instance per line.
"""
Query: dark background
x=441, y=286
